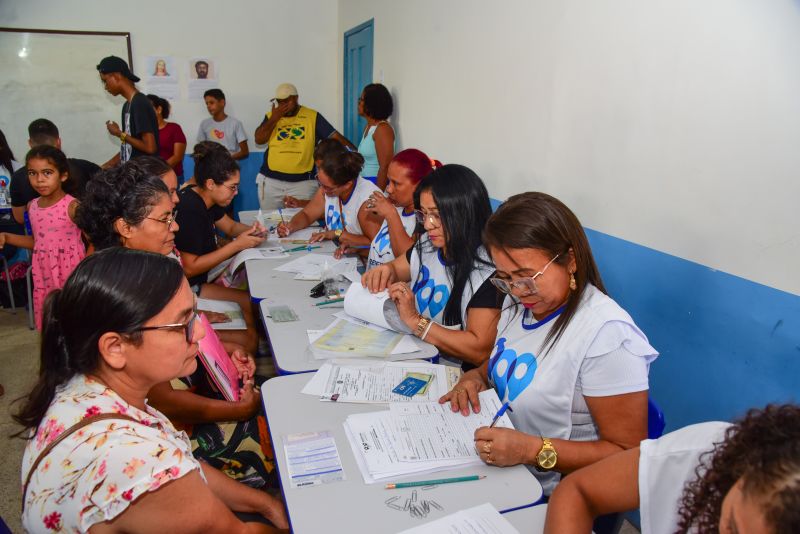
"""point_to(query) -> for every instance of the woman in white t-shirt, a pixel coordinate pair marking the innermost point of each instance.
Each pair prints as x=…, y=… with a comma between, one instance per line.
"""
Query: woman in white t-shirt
x=570, y=363
x=342, y=192
x=708, y=477
x=398, y=229
x=8, y=165
x=441, y=285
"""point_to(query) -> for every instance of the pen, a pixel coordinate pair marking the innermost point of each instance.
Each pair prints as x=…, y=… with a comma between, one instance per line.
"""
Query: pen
x=304, y=247
x=331, y=301
x=499, y=414
x=362, y=247
x=434, y=482
x=280, y=212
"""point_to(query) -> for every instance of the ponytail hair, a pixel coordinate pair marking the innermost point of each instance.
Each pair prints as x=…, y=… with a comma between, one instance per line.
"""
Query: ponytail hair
x=212, y=161
x=114, y=290
x=418, y=164
x=342, y=166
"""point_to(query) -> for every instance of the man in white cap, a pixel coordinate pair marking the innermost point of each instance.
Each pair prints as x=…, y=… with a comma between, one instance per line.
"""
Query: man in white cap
x=291, y=132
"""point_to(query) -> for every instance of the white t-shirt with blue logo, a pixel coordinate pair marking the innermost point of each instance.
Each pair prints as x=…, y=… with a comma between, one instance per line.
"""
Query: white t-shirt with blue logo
x=380, y=251
x=334, y=206
x=600, y=353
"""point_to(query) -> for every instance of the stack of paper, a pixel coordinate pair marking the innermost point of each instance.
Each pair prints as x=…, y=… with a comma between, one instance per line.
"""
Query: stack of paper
x=369, y=382
x=416, y=438
x=311, y=266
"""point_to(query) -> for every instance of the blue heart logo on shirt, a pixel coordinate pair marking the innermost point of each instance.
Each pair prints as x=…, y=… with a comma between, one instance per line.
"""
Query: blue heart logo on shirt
x=430, y=296
x=511, y=373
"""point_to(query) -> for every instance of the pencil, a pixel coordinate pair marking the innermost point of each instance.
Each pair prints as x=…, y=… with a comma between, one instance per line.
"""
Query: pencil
x=434, y=482
x=332, y=301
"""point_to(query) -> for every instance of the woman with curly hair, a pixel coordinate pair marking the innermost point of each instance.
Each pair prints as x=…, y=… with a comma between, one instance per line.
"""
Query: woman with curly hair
x=708, y=477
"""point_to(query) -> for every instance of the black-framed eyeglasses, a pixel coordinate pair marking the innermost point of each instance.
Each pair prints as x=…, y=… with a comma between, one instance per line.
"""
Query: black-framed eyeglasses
x=168, y=220
x=188, y=326
x=432, y=216
x=526, y=285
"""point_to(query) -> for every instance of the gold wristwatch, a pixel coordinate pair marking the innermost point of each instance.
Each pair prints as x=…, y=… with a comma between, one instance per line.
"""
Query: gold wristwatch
x=338, y=232
x=547, y=457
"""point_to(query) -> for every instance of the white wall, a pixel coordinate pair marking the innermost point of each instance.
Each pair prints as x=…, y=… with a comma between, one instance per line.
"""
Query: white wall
x=671, y=123
x=257, y=45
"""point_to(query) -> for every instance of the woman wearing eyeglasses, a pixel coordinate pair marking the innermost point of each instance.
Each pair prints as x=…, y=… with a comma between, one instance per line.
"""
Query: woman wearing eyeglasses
x=441, y=285
x=129, y=206
x=338, y=201
x=201, y=214
x=98, y=457
x=570, y=362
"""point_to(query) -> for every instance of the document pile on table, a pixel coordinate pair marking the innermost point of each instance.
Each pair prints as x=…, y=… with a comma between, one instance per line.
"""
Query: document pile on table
x=416, y=438
x=369, y=382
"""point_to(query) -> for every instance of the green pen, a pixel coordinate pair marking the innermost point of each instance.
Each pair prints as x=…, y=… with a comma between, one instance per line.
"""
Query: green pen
x=304, y=247
x=434, y=482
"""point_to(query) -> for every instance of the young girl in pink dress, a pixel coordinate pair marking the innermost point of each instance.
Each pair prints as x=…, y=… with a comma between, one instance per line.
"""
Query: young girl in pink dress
x=56, y=240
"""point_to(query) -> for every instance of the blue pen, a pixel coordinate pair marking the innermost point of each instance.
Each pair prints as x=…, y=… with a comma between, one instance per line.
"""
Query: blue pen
x=361, y=247
x=280, y=212
x=499, y=414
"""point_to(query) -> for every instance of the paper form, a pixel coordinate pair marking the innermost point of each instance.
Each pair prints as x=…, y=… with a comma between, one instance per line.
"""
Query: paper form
x=418, y=437
x=312, y=459
x=312, y=264
x=482, y=519
x=345, y=338
x=365, y=383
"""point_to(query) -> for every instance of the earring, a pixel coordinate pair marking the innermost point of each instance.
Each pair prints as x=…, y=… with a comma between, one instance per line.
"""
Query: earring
x=572, y=284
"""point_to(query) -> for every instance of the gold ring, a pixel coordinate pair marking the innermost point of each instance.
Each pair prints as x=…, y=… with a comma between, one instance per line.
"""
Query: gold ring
x=489, y=460
x=458, y=390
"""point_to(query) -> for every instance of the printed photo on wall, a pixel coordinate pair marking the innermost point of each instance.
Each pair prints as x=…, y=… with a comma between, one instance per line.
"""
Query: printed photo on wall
x=161, y=76
x=202, y=77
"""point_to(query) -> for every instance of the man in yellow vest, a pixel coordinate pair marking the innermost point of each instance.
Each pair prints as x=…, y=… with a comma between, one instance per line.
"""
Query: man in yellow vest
x=291, y=132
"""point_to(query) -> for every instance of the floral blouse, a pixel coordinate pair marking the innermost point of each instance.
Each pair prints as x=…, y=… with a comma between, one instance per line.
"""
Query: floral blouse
x=96, y=472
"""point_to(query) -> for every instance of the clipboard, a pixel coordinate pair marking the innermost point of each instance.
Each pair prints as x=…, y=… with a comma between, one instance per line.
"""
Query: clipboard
x=218, y=363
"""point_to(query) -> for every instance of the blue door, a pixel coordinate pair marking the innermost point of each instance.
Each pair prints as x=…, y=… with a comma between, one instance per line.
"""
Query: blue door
x=357, y=74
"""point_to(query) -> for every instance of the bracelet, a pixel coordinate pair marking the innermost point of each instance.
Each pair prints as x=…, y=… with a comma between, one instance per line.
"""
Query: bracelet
x=422, y=324
x=122, y=137
x=427, y=329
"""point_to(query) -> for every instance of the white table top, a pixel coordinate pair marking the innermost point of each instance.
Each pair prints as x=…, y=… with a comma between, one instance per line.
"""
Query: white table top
x=353, y=506
x=289, y=340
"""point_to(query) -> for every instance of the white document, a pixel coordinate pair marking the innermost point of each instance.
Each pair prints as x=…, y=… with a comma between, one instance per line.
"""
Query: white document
x=312, y=459
x=315, y=264
x=231, y=309
x=362, y=304
x=413, y=438
x=261, y=253
x=367, y=382
x=482, y=519
x=218, y=270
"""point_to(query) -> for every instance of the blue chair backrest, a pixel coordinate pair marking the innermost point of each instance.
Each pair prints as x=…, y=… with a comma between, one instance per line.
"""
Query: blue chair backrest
x=655, y=420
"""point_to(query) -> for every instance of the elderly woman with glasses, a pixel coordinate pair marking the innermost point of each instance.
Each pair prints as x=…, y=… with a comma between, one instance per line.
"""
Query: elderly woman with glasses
x=99, y=458
x=342, y=192
x=450, y=303
x=568, y=360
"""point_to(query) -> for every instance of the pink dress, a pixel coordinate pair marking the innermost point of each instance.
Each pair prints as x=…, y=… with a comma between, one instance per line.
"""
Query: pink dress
x=57, y=249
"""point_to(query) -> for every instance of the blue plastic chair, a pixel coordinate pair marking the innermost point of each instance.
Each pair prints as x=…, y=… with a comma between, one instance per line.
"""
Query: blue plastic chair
x=655, y=420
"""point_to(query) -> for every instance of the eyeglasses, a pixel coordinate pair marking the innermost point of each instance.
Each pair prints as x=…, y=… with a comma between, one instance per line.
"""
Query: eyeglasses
x=432, y=216
x=234, y=188
x=526, y=285
x=168, y=221
x=327, y=188
x=188, y=327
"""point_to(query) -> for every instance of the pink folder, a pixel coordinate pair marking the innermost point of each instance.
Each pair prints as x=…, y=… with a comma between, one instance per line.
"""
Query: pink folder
x=218, y=363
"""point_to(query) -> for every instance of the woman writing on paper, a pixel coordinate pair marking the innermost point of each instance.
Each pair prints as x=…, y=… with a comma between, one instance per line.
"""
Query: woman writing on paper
x=570, y=362
x=99, y=457
x=338, y=200
x=398, y=229
x=450, y=302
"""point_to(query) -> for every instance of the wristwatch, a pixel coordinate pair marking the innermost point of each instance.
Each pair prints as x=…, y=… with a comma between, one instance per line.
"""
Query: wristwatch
x=547, y=457
x=338, y=232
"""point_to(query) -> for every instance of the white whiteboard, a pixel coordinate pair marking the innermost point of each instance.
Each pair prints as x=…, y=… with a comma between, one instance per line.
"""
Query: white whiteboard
x=54, y=76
